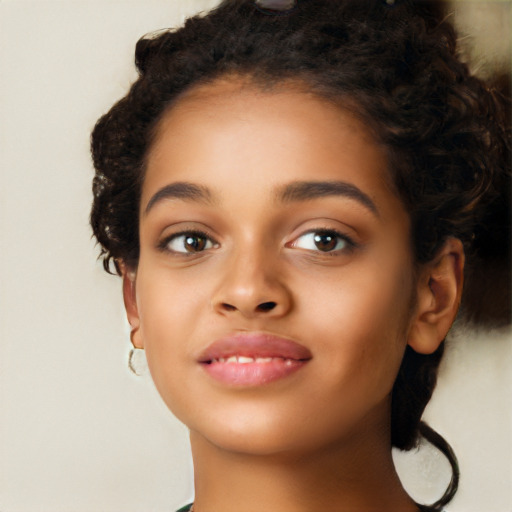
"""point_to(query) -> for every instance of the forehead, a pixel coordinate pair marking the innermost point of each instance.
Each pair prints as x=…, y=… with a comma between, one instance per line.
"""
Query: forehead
x=233, y=129
x=243, y=97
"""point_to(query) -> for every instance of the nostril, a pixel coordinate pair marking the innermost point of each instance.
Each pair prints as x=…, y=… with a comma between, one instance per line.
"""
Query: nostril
x=228, y=307
x=266, y=306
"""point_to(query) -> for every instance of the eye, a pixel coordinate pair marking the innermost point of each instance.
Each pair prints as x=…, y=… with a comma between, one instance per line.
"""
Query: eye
x=323, y=241
x=189, y=243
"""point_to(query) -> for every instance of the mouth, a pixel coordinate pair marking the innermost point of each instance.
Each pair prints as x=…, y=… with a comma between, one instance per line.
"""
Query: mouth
x=252, y=359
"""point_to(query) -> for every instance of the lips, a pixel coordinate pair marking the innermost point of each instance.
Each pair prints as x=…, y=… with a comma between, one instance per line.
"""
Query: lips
x=252, y=359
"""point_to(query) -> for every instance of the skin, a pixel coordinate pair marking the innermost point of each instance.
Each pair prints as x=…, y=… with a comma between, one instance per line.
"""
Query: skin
x=318, y=438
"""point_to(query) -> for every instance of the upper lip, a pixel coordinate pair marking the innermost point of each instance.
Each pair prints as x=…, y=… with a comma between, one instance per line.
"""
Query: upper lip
x=254, y=345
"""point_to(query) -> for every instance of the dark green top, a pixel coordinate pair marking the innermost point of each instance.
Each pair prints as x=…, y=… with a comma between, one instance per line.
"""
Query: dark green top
x=186, y=508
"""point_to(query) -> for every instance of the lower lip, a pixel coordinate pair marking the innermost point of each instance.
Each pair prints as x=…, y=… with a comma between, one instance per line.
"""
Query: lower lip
x=252, y=374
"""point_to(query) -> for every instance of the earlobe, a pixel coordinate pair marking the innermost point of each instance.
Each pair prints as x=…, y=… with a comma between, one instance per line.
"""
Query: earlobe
x=439, y=292
x=130, y=304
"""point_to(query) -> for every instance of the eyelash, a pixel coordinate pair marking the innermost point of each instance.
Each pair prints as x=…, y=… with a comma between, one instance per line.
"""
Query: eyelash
x=198, y=234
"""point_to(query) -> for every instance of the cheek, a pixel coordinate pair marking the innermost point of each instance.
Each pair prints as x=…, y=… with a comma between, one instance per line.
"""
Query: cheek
x=362, y=320
x=169, y=313
x=168, y=302
x=363, y=298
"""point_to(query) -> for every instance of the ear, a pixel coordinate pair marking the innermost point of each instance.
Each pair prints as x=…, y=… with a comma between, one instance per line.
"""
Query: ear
x=439, y=291
x=130, y=304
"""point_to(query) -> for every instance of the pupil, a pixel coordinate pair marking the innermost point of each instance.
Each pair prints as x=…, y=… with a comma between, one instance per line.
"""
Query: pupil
x=195, y=243
x=325, y=242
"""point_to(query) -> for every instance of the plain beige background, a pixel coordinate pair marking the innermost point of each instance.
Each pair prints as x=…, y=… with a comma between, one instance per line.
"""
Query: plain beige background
x=78, y=432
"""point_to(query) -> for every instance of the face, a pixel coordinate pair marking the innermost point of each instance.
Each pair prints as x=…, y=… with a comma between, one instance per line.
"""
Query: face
x=274, y=285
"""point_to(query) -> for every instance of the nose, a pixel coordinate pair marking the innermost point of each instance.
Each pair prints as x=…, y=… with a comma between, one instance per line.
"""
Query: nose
x=252, y=286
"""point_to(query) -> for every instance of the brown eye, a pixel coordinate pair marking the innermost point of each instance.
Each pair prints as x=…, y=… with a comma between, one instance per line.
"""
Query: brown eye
x=195, y=243
x=323, y=241
x=326, y=242
x=189, y=243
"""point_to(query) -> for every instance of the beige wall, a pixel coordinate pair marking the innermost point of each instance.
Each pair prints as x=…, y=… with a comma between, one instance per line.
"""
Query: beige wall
x=484, y=29
x=78, y=432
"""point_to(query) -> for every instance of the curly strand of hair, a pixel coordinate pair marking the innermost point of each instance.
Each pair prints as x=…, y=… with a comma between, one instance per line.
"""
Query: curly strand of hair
x=438, y=441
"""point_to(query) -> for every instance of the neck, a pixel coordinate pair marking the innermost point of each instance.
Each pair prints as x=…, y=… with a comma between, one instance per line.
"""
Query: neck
x=356, y=475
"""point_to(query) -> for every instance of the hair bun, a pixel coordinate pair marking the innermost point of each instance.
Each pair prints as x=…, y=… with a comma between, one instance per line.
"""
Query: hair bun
x=276, y=5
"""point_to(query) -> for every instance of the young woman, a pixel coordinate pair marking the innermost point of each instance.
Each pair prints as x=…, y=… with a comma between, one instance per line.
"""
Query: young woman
x=290, y=191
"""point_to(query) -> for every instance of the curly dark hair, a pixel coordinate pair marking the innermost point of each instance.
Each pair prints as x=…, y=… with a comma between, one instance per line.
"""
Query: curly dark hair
x=395, y=65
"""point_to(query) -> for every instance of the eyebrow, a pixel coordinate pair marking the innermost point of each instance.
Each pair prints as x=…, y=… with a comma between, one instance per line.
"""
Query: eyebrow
x=180, y=190
x=307, y=190
x=293, y=192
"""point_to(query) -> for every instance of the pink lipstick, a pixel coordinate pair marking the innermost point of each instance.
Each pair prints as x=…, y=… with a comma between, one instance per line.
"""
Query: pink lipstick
x=253, y=359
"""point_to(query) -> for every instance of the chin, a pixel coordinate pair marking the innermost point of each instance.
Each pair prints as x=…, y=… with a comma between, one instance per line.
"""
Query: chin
x=257, y=444
x=260, y=434
x=265, y=435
